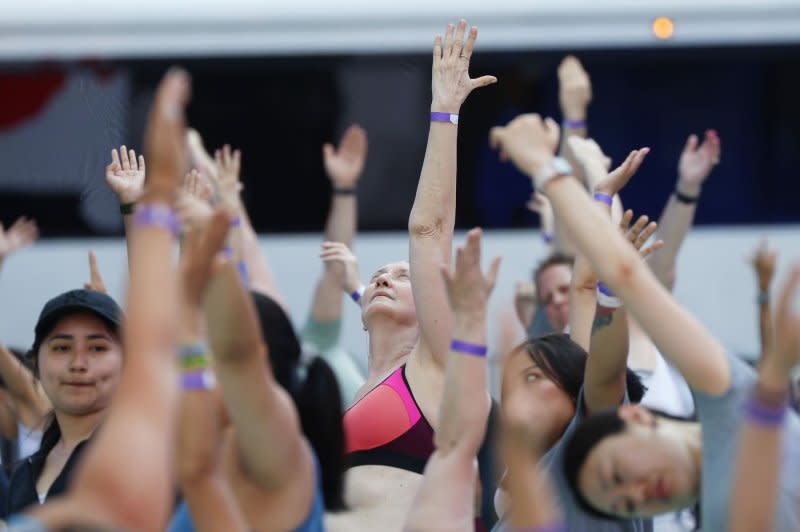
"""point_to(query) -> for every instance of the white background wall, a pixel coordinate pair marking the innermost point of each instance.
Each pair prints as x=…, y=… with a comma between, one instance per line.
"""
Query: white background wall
x=146, y=28
x=714, y=280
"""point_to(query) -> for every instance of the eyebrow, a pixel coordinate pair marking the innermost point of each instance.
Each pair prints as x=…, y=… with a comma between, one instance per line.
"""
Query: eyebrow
x=96, y=336
x=379, y=272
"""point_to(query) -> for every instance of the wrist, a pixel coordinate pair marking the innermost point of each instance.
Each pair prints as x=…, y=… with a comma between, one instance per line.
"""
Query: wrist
x=576, y=113
x=472, y=319
x=688, y=189
x=442, y=106
x=773, y=380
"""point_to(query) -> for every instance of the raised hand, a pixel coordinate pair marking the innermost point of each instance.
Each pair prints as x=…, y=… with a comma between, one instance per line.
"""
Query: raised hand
x=786, y=345
x=95, y=279
x=228, y=165
x=345, y=163
x=199, y=157
x=23, y=232
x=541, y=206
x=193, y=206
x=468, y=289
x=574, y=89
x=451, y=83
x=639, y=233
x=340, y=260
x=126, y=175
x=763, y=261
x=594, y=163
x=529, y=142
x=697, y=161
x=165, y=136
x=200, y=256
x=622, y=174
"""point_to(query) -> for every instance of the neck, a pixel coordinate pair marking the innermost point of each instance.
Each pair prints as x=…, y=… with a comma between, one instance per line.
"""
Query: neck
x=75, y=429
x=389, y=344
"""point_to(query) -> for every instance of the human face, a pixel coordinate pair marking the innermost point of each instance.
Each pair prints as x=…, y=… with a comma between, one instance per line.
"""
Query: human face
x=553, y=289
x=79, y=364
x=389, y=293
x=533, y=399
x=643, y=471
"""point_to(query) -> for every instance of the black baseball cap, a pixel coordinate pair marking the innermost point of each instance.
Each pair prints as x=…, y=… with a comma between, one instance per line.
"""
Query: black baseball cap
x=72, y=302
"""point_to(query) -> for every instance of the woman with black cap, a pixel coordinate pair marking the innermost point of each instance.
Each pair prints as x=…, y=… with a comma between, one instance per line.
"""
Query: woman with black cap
x=77, y=357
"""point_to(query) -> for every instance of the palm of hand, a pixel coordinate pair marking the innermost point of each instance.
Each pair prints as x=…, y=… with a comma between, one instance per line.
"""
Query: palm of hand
x=344, y=167
x=11, y=241
x=695, y=166
x=126, y=184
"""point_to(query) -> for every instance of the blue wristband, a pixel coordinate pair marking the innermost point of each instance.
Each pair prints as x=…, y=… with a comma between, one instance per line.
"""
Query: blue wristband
x=444, y=117
x=574, y=124
x=604, y=198
x=468, y=348
x=154, y=215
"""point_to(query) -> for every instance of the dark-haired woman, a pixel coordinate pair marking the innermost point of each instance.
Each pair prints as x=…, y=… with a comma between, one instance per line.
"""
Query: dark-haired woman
x=77, y=357
x=558, y=383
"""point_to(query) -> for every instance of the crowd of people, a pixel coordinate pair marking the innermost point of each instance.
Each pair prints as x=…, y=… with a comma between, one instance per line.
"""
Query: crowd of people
x=200, y=406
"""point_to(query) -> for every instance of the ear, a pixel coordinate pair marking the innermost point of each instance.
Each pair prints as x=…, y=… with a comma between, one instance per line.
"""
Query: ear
x=633, y=413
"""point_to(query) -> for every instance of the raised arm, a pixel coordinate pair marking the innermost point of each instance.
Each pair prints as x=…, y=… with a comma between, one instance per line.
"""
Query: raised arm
x=447, y=493
x=574, y=97
x=129, y=464
x=606, y=366
x=203, y=486
x=262, y=412
x=343, y=167
x=22, y=233
x=755, y=484
x=764, y=265
x=125, y=176
x=699, y=357
x=432, y=218
x=694, y=167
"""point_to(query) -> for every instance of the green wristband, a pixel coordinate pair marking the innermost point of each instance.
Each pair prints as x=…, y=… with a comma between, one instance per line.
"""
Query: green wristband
x=126, y=208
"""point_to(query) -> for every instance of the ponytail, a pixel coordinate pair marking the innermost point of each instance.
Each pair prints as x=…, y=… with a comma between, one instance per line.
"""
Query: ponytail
x=319, y=405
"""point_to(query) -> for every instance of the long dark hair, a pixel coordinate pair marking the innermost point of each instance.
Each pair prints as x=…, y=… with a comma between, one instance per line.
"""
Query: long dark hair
x=563, y=362
x=316, y=396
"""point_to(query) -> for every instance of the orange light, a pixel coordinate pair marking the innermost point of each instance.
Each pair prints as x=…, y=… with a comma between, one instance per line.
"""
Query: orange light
x=663, y=28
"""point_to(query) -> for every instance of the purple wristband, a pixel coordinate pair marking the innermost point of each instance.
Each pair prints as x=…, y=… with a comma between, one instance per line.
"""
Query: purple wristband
x=605, y=290
x=227, y=252
x=242, y=267
x=574, y=124
x=444, y=117
x=604, y=198
x=764, y=415
x=236, y=222
x=468, y=348
x=356, y=295
x=157, y=216
x=556, y=527
x=547, y=237
x=198, y=380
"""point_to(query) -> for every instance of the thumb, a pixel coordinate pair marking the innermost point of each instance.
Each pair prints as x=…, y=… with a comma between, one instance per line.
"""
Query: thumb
x=483, y=81
x=691, y=143
x=327, y=150
x=494, y=268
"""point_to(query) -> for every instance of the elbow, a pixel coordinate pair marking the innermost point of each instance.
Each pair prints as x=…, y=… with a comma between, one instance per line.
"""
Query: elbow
x=420, y=226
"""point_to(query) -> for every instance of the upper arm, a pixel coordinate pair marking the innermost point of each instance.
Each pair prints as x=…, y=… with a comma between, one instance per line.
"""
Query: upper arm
x=428, y=252
x=679, y=336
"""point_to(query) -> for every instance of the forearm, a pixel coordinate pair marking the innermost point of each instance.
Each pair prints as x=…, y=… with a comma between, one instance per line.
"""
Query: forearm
x=673, y=226
x=766, y=328
x=258, y=268
x=127, y=222
x=433, y=213
x=561, y=241
x=606, y=366
x=342, y=218
x=465, y=401
x=213, y=506
x=19, y=380
x=757, y=470
x=583, y=300
x=696, y=354
x=532, y=501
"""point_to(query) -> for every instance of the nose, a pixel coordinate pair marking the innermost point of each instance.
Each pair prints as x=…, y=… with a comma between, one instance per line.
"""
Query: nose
x=79, y=362
x=559, y=298
x=383, y=280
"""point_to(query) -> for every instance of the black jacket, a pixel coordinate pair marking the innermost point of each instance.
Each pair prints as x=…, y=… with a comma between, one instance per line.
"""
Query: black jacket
x=22, y=482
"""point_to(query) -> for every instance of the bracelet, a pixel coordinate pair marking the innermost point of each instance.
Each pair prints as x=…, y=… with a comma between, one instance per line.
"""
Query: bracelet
x=444, y=117
x=236, y=222
x=155, y=215
x=604, y=198
x=198, y=380
x=243, y=275
x=344, y=191
x=467, y=348
x=547, y=237
x=357, y=293
x=684, y=198
x=763, y=297
x=574, y=124
x=194, y=357
x=227, y=252
x=606, y=298
x=127, y=208
x=764, y=415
